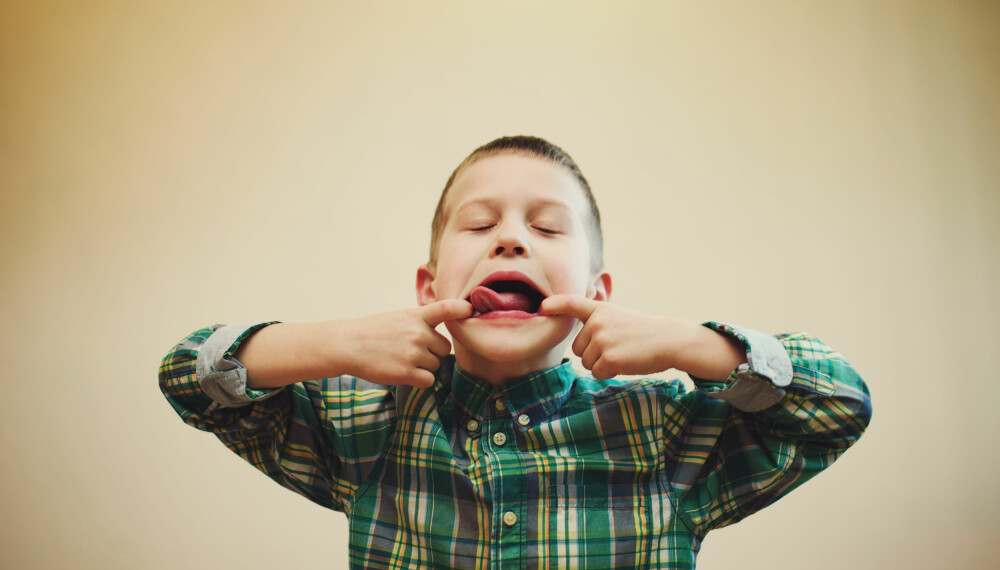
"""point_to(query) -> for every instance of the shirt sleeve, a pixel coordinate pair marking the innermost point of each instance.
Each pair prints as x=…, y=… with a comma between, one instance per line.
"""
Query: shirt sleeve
x=319, y=438
x=736, y=446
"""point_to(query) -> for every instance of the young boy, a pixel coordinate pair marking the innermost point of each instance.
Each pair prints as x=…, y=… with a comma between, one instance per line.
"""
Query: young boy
x=501, y=455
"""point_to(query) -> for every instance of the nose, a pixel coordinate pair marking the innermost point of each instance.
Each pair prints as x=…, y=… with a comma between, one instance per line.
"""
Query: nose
x=510, y=243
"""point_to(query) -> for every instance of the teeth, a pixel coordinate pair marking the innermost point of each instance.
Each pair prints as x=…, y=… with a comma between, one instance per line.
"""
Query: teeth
x=476, y=314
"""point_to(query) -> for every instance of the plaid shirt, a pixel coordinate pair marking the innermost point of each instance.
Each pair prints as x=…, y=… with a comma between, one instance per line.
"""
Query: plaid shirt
x=552, y=470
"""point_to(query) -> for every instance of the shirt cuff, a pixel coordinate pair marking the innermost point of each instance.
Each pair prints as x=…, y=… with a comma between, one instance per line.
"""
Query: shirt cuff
x=221, y=376
x=758, y=384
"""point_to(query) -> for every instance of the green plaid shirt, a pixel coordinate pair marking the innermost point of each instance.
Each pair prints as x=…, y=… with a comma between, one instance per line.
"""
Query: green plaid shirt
x=552, y=470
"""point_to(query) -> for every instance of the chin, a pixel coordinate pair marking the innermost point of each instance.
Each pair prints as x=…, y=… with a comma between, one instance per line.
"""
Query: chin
x=513, y=342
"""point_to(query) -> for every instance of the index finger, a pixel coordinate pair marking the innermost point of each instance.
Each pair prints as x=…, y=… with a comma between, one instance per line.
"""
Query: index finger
x=573, y=305
x=445, y=310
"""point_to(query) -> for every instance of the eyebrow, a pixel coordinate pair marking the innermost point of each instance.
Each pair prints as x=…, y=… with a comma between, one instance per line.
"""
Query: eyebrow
x=492, y=202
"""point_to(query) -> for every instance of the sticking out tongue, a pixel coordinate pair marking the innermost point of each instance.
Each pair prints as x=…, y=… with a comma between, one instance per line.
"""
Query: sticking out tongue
x=485, y=300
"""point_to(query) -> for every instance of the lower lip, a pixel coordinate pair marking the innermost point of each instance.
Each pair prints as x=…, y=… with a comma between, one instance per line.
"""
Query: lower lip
x=493, y=315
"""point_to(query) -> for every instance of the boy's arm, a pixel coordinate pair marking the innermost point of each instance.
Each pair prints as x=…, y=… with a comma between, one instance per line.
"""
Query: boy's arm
x=304, y=435
x=615, y=340
x=746, y=441
x=278, y=431
x=749, y=434
x=394, y=348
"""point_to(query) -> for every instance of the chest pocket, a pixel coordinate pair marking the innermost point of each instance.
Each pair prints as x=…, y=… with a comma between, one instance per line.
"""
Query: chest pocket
x=609, y=525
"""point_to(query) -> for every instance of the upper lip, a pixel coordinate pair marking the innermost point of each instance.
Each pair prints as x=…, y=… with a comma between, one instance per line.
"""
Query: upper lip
x=510, y=276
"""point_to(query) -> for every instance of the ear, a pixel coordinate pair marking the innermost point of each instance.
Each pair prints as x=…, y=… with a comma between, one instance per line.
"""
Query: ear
x=425, y=285
x=600, y=286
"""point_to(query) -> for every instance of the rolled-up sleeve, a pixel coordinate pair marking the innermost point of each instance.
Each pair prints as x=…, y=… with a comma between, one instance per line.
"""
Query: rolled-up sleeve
x=759, y=383
x=788, y=413
x=306, y=436
x=221, y=376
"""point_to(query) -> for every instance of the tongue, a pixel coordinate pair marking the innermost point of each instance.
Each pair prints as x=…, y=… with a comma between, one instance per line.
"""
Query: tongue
x=485, y=300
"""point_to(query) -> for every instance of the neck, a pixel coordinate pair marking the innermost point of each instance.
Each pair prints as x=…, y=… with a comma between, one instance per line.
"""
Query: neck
x=499, y=372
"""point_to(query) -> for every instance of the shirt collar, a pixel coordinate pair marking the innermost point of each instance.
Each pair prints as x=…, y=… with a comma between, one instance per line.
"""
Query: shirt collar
x=537, y=395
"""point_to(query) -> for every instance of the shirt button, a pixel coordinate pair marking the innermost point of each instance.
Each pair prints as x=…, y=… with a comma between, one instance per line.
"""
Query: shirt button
x=499, y=438
x=509, y=518
x=523, y=419
x=500, y=406
x=472, y=425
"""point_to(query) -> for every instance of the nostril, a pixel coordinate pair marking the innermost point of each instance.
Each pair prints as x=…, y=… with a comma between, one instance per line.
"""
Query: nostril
x=498, y=251
x=519, y=250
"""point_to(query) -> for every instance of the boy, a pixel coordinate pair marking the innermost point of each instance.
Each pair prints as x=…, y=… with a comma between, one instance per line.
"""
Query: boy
x=501, y=455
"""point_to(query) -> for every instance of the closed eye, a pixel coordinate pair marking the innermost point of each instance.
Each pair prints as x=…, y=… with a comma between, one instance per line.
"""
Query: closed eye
x=481, y=228
x=545, y=230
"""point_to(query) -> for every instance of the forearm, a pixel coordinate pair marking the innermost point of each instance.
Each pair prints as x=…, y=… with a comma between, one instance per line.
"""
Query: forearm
x=615, y=340
x=399, y=347
x=285, y=353
x=708, y=354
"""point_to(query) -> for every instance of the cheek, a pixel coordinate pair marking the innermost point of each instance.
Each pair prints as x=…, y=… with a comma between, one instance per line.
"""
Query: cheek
x=456, y=253
x=570, y=279
x=447, y=287
x=569, y=266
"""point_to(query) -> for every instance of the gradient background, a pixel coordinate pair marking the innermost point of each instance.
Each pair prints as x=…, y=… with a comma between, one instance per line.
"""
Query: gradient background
x=820, y=166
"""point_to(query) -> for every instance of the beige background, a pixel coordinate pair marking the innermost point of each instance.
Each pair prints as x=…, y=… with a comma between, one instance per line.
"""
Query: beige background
x=825, y=166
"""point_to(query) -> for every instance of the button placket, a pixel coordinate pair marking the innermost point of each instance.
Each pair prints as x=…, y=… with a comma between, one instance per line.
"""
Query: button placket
x=500, y=426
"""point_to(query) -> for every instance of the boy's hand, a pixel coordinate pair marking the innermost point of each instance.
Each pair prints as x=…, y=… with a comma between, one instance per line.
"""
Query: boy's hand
x=615, y=340
x=401, y=347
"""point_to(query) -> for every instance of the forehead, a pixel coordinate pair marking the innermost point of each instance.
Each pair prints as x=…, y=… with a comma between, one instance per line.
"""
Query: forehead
x=515, y=179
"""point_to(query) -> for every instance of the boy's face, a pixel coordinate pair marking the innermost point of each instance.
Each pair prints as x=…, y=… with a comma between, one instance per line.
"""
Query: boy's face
x=514, y=219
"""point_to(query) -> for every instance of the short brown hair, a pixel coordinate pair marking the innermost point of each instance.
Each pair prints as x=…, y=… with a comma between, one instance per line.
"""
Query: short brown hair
x=533, y=147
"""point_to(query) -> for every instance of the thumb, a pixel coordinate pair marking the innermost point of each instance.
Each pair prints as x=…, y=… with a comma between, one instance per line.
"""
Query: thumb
x=573, y=305
x=446, y=310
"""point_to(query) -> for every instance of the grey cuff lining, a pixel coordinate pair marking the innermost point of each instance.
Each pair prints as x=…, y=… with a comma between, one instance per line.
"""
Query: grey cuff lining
x=750, y=393
x=766, y=356
x=758, y=385
x=223, y=378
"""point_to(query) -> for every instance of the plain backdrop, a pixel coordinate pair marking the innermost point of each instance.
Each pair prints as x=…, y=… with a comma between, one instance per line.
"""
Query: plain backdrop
x=822, y=166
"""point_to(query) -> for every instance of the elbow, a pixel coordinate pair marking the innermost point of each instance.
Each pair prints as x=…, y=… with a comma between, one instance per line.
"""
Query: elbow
x=850, y=410
x=861, y=415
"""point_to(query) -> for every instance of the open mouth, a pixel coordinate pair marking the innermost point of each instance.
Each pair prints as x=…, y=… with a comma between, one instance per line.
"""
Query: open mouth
x=505, y=295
